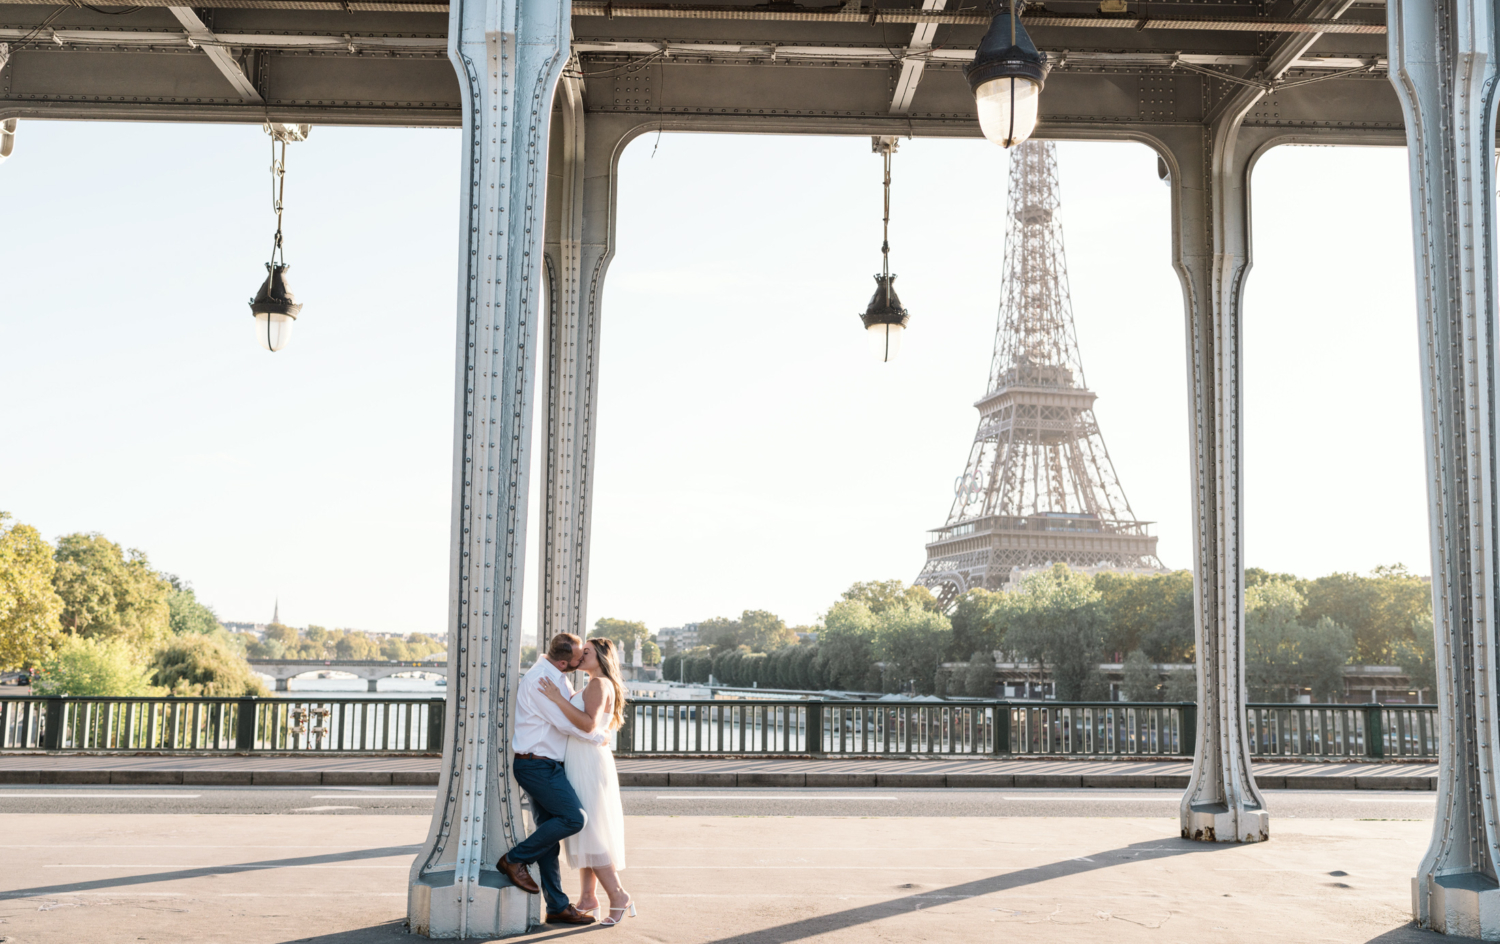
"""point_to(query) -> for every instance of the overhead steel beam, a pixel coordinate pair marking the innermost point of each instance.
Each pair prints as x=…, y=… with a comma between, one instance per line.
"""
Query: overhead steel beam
x=200, y=35
x=603, y=8
x=912, y=63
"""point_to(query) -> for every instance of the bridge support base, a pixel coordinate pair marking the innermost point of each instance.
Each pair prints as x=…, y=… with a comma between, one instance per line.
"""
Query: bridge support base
x=1465, y=905
x=281, y=685
x=374, y=685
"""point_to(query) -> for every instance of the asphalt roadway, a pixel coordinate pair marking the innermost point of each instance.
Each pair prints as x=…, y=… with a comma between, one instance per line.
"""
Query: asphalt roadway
x=741, y=802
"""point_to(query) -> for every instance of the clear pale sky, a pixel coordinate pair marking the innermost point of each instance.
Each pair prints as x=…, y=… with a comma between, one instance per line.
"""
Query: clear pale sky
x=751, y=454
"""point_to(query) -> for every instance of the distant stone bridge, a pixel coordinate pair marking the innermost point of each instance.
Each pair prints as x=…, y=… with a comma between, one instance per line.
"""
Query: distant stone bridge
x=283, y=670
x=372, y=670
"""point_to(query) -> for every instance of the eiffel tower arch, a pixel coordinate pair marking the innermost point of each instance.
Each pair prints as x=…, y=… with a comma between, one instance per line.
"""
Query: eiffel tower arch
x=1039, y=486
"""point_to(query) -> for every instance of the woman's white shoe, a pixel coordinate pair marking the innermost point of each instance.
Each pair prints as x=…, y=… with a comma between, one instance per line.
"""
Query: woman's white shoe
x=611, y=921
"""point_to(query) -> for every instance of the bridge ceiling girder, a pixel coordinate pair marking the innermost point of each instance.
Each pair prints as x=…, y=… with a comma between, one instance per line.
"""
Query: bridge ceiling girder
x=391, y=68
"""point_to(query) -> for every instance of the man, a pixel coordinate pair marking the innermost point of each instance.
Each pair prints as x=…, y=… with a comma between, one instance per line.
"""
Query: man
x=540, y=742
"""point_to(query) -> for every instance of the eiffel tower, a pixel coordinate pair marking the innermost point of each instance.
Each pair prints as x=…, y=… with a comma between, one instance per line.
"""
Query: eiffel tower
x=1039, y=487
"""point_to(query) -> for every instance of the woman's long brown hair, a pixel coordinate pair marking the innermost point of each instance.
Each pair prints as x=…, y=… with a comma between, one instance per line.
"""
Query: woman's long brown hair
x=609, y=669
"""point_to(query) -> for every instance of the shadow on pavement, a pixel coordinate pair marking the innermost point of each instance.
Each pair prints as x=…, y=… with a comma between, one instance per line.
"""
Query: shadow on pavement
x=852, y=917
x=386, y=933
x=1411, y=934
x=207, y=870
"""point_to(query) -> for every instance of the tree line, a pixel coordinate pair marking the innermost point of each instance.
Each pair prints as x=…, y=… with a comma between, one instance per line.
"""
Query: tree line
x=88, y=617
x=883, y=636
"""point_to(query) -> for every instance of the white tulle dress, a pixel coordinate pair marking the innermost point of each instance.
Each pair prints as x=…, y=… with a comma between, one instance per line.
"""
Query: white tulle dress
x=591, y=771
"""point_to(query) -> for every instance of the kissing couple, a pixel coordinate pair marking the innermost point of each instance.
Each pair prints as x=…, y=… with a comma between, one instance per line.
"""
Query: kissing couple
x=564, y=763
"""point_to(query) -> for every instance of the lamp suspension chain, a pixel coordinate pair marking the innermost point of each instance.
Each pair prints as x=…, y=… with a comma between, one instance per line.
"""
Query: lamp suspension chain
x=278, y=192
x=885, y=234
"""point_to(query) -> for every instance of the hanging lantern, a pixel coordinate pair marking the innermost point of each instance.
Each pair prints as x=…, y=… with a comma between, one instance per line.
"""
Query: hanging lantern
x=274, y=308
x=884, y=317
x=1007, y=75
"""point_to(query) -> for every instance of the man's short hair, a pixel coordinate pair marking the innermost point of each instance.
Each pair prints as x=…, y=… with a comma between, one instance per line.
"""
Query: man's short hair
x=563, y=646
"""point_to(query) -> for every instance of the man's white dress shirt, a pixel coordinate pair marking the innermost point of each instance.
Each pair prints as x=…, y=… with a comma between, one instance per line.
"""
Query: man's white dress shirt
x=541, y=728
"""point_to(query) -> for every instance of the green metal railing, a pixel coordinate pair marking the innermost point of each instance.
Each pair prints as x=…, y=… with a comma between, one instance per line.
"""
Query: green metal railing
x=1362, y=732
x=240, y=725
x=999, y=728
x=759, y=727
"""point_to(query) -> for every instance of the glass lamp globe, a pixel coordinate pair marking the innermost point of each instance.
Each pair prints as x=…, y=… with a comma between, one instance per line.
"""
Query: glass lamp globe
x=885, y=341
x=1007, y=109
x=273, y=329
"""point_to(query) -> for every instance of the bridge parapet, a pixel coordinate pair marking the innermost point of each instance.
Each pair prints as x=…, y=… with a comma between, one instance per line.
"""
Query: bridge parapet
x=707, y=728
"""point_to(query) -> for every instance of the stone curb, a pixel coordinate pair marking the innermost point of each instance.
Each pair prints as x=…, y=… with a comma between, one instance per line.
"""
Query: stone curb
x=971, y=781
x=225, y=778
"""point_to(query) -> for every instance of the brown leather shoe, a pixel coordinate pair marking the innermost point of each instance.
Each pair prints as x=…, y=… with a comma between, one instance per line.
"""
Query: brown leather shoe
x=571, y=916
x=517, y=874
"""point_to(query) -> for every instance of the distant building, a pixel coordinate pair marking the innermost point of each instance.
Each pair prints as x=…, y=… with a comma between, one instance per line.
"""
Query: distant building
x=256, y=628
x=682, y=637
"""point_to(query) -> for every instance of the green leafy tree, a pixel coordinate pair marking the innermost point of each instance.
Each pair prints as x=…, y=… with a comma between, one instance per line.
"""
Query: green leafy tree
x=719, y=633
x=980, y=619
x=650, y=654
x=1181, y=685
x=624, y=634
x=1150, y=612
x=1282, y=653
x=97, y=666
x=394, y=650
x=185, y=615
x=846, y=645
x=1061, y=625
x=979, y=675
x=283, y=634
x=764, y=632
x=29, y=606
x=880, y=595
x=204, y=665
x=1416, y=658
x=1141, y=681
x=109, y=593
x=1380, y=610
x=912, y=642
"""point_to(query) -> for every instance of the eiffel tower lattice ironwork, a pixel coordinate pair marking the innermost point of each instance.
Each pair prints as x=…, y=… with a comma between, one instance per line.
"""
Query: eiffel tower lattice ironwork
x=1039, y=487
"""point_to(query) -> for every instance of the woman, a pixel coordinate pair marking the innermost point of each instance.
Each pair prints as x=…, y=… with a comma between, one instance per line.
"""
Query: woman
x=598, y=851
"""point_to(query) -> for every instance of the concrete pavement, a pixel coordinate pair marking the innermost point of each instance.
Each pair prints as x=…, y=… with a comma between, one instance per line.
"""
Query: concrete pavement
x=750, y=876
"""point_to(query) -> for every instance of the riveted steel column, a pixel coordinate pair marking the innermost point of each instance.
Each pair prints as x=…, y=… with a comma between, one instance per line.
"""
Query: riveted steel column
x=508, y=54
x=572, y=374
x=1442, y=55
x=1211, y=249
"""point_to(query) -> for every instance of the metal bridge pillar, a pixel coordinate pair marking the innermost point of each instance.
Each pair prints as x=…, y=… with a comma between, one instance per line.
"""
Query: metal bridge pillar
x=509, y=55
x=579, y=245
x=1442, y=55
x=1211, y=251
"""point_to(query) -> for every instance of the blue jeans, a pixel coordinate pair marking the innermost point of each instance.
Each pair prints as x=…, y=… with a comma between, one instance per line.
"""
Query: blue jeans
x=557, y=813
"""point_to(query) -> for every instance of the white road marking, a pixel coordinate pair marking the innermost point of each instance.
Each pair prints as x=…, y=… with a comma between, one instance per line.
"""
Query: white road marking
x=1418, y=799
x=211, y=866
x=768, y=796
x=372, y=796
x=102, y=796
x=1095, y=799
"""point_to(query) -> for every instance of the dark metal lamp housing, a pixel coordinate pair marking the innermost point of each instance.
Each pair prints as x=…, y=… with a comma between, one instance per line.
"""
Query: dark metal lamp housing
x=885, y=319
x=1007, y=75
x=274, y=308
